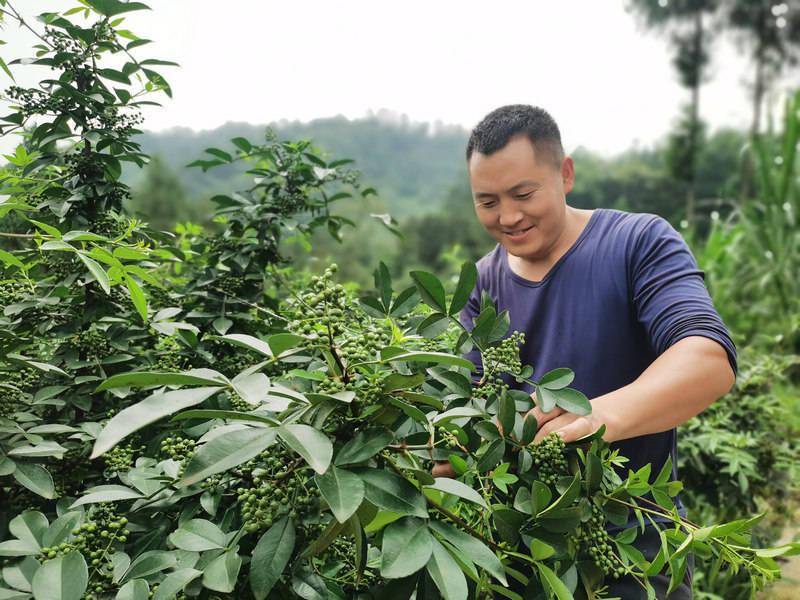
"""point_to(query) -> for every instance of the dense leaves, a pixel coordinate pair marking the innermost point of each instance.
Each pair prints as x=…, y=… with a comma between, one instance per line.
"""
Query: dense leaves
x=188, y=416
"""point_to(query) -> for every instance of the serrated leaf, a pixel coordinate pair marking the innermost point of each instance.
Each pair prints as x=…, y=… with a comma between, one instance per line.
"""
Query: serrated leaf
x=430, y=290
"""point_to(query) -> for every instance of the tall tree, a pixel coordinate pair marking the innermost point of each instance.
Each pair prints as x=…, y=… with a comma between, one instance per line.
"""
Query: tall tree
x=772, y=33
x=684, y=21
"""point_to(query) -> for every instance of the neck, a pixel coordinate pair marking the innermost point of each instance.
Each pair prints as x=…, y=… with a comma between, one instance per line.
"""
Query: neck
x=575, y=222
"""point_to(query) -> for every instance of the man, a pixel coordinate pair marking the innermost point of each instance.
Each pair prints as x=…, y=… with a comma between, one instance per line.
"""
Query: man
x=617, y=297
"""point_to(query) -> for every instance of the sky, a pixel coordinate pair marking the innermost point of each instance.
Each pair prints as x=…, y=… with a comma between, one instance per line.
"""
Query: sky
x=607, y=81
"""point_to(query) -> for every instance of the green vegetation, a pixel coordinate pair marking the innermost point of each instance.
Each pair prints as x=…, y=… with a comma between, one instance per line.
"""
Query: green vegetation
x=196, y=415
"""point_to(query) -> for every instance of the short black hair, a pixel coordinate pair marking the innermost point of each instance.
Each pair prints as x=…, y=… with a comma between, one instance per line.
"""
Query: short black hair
x=500, y=125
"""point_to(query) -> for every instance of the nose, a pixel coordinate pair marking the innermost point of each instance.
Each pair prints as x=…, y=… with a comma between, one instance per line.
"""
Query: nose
x=510, y=214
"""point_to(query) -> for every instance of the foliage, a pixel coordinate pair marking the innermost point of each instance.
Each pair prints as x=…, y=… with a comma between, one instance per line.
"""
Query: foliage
x=187, y=416
x=739, y=457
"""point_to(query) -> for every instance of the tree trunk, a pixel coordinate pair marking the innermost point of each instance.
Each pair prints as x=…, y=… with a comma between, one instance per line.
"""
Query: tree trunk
x=694, y=140
x=759, y=88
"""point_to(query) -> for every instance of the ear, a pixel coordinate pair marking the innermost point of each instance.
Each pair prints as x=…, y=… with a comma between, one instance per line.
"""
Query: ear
x=567, y=174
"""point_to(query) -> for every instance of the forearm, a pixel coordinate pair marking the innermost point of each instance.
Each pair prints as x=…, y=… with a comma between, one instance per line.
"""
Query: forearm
x=678, y=385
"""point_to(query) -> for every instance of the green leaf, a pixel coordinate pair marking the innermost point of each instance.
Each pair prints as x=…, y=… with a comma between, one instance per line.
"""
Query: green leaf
x=36, y=478
x=459, y=412
x=566, y=499
x=149, y=410
x=197, y=535
x=222, y=573
x=150, y=562
x=407, y=547
x=136, y=589
x=246, y=341
x=557, y=379
x=225, y=452
x=466, y=283
x=270, y=557
x=30, y=527
x=313, y=445
x=137, y=296
x=342, y=490
x=545, y=399
x=392, y=492
x=97, y=272
x=281, y=342
x=476, y=550
x=148, y=379
x=507, y=414
x=541, y=550
x=60, y=529
x=62, y=578
x=383, y=283
x=529, y=428
x=572, y=401
x=434, y=357
x=430, y=290
x=112, y=8
x=106, y=493
x=175, y=582
x=446, y=574
x=457, y=488
x=552, y=583
x=363, y=446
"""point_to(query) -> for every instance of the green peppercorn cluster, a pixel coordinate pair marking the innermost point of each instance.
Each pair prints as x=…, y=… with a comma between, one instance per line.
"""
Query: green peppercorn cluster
x=321, y=308
x=365, y=347
x=276, y=489
x=121, y=457
x=12, y=292
x=491, y=388
x=593, y=541
x=341, y=556
x=229, y=360
x=109, y=225
x=15, y=393
x=92, y=344
x=97, y=540
x=331, y=385
x=178, y=448
x=504, y=357
x=59, y=264
x=168, y=356
x=549, y=459
x=230, y=284
x=449, y=439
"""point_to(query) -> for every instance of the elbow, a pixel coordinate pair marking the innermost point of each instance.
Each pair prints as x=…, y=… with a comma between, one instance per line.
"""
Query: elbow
x=721, y=376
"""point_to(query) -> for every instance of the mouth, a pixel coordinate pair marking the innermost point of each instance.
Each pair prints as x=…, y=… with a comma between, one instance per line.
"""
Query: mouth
x=517, y=234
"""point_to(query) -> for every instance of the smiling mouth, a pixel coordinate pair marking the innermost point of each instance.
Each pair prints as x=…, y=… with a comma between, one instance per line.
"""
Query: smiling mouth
x=518, y=232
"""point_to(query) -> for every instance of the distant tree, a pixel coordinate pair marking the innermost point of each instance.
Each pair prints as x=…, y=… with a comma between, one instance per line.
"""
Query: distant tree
x=684, y=20
x=160, y=199
x=771, y=31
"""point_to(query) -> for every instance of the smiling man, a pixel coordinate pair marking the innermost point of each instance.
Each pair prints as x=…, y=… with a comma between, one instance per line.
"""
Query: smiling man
x=615, y=296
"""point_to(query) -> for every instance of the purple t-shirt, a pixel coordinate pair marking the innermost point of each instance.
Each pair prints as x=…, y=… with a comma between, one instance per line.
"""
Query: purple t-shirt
x=626, y=290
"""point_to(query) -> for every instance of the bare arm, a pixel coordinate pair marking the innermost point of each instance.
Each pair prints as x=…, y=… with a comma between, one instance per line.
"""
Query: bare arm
x=682, y=382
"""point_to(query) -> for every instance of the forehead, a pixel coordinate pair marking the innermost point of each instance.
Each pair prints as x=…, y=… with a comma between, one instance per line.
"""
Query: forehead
x=514, y=162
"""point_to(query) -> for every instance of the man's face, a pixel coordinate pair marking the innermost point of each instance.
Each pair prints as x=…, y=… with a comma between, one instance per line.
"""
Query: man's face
x=520, y=198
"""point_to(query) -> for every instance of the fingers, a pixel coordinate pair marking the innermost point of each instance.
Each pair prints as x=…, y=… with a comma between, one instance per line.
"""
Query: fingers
x=577, y=429
x=443, y=469
x=554, y=425
x=545, y=417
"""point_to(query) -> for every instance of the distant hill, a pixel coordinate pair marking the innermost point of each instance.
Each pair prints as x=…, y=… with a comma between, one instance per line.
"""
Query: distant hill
x=412, y=166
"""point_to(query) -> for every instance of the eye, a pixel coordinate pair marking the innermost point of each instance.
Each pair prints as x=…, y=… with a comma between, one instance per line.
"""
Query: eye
x=524, y=196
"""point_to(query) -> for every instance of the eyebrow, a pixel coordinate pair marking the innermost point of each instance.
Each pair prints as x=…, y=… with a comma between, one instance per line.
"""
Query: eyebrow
x=510, y=190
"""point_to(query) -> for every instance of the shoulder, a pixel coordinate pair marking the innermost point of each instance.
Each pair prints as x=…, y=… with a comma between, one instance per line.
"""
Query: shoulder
x=635, y=232
x=490, y=263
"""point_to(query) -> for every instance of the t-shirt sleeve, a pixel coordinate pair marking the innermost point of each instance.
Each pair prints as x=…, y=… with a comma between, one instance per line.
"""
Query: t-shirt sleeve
x=467, y=315
x=669, y=296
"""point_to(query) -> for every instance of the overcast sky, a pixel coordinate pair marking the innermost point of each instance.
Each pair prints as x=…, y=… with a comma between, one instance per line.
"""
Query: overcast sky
x=608, y=83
